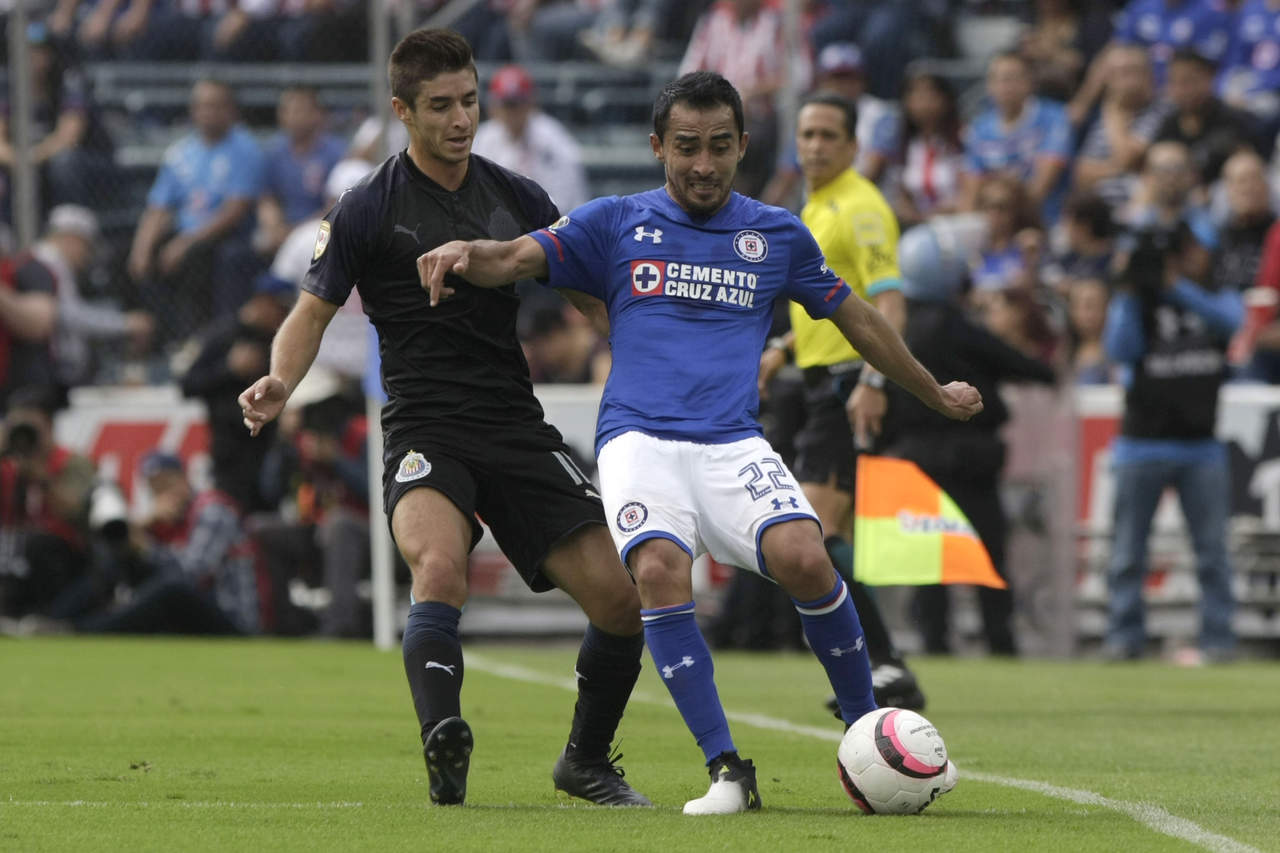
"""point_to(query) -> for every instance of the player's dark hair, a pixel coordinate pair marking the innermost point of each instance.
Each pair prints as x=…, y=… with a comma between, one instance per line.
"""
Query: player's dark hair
x=1194, y=57
x=840, y=102
x=424, y=54
x=701, y=90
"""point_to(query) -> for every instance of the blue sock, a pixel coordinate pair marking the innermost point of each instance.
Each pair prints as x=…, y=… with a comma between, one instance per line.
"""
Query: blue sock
x=684, y=662
x=433, y=662
x=835, y=635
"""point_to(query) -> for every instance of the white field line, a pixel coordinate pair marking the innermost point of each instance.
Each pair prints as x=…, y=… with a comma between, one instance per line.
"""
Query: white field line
x=181, y=804
x=1151, y=816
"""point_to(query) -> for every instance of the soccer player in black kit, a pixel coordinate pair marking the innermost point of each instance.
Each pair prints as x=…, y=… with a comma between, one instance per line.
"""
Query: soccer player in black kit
x=463, y=431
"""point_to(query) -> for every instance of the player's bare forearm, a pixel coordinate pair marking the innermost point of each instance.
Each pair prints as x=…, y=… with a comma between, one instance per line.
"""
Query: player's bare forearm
x=892, y=306
x=298, y=339
x=484, y=263
x=590, y=307
x=883, y=348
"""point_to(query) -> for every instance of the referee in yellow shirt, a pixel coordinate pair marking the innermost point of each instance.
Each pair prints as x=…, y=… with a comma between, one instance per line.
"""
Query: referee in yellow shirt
x=858, y=234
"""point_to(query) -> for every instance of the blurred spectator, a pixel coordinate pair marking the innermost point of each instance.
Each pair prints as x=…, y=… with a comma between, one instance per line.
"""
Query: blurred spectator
x=1171, y=335
x=839, y=69
x=44, y=490
x=1064, y=37
x=344, y=347
x=319, y=469
x=233, y=352
x=1238, y=253
x=625, y=32
x=1169, y=194
x=550, y=30
x=1167, y=26
x=1208, y=127
x=1011, y=253
x=1089, y=230
x=150, y=30
x=1087, y=314
x=965, y=460
x=375, y=140
x=28, y=317
x=69, y=143
x=1251, y=69
x=204, y=570
x=291, y=30
x=67, y=252
x=1258, y=346
x=930, y=156
x=298, y=162
x=889, y=34
x=739, y=39
x=1021, y=320
x=1019, y=135
x=191, y=252
x=1111, y=152
x=562, y=346
x=523, y=138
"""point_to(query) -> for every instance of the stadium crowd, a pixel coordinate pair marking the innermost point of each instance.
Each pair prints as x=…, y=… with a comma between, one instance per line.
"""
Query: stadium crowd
x=1091, y=122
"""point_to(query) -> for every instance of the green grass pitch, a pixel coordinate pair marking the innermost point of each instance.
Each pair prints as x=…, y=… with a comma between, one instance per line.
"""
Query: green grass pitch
x=177, y=745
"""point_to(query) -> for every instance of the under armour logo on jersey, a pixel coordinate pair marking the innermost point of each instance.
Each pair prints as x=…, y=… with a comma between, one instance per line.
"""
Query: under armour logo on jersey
x=655, y=235
x=400, y=229
x=670, y=671
x=431, y=664
x=854, y=649
x=779, y=503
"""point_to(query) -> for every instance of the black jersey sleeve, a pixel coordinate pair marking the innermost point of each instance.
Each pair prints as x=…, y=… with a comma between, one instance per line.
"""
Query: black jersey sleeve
x=344, y=244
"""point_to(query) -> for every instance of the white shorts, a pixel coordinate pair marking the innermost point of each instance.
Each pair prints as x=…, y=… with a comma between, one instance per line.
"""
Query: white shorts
x=707, y=498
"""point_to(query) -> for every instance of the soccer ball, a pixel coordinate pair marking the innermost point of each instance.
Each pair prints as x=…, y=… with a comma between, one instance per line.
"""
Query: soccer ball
x=893, y=761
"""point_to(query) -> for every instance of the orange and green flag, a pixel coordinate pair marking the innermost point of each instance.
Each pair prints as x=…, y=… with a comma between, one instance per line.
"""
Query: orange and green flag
x=907, y=531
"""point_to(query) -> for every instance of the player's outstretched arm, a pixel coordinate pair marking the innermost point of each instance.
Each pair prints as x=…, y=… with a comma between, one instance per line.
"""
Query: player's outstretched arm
x=484, y=263
x=292, y=351
x=884, y=349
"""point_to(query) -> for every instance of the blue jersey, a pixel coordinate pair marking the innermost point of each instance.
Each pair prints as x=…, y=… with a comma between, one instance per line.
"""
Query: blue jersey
x=1205, y=26
x=196, y=178
x=1255, y=54
x=1042, y=132
x=690, y=303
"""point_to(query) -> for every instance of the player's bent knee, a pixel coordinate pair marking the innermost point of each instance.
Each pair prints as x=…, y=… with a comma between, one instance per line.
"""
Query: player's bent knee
x=438, y=576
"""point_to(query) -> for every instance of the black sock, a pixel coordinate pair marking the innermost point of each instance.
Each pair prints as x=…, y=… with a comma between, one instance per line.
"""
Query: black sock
x=879, y=646
x=433, y=662
x=607, y=669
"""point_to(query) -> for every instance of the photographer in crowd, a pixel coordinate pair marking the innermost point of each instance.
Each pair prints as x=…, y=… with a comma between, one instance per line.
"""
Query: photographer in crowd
x=44, y=496
x=1170, y=334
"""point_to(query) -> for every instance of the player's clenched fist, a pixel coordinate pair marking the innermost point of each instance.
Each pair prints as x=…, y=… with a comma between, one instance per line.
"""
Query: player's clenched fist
x=452, y=257
x=262, y=402
x=960, y=401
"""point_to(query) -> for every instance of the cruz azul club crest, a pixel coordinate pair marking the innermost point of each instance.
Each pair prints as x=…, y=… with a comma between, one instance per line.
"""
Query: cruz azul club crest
x=750, y=246
x=414, y=466
x=632, y=516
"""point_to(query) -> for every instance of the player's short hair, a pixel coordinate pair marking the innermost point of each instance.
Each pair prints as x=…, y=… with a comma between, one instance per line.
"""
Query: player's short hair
x=840, y=102
x=424, y=54
x=701, y=90
x=1190, y=56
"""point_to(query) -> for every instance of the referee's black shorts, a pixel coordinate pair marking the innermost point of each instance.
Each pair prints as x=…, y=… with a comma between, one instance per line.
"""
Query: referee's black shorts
x=530, y=494
x=824, y=445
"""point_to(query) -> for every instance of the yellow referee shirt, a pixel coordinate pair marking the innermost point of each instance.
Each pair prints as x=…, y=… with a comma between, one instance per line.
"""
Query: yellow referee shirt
x=858, y=234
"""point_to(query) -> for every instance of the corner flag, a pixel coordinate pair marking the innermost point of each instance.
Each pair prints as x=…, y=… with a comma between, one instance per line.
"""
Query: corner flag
x=907, y=531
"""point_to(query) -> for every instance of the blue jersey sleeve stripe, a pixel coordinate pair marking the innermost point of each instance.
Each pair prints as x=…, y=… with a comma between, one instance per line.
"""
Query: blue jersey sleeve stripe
x=556, y=242
x=831, y=294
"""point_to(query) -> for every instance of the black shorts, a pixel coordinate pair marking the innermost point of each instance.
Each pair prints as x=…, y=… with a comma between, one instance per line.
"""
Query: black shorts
x=531, y=495
x=824, y=444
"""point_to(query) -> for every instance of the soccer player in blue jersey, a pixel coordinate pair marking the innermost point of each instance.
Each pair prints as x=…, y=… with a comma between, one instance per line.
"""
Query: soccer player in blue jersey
x=689, y=274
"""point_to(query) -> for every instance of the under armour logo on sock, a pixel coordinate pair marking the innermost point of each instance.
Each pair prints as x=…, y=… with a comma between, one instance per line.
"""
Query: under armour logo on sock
x=670, y=671
x=856, y=647
x=437, y=665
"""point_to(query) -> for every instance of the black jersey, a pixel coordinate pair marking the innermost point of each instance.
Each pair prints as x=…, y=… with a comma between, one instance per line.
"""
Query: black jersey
x=457, y=368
